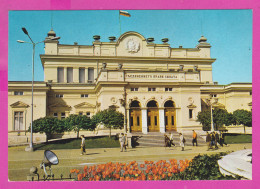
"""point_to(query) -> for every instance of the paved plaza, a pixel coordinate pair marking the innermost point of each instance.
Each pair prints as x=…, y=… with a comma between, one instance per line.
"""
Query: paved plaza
x=19, y=161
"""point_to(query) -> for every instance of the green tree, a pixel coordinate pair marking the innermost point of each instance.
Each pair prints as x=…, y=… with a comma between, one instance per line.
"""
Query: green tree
x=110, y=118
x=204, y=119
x=48, y=125
x=243, y=117
x=78, y=122
x=220, y=117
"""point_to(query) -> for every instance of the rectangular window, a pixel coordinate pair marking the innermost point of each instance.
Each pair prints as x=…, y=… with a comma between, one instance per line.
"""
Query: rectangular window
x=84, y=95
x=213, y=95
x=166, y=120
x=168, y=89
x=81, y=75
x=90, y=75
x=55, y=115
x=88, y=114
x=172, y=120
x=250, y=93
x=18, y=121
x=60, y=77
x=190, y=113
x=155, y=120
x=70, y=75
x=149, y=120
x=138, y=121
x=131, y=121
x=18, y=92
x=59, y=95
x=62, y=115
x=151, y=89
x=80, y=113
x=134, y=89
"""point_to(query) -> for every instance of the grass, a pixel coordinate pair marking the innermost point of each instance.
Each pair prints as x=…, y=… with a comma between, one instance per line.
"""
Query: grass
x=237, y=138
x=91, y=142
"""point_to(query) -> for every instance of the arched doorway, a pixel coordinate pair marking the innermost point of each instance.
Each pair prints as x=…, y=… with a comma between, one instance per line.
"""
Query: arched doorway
x=153, y=116
x=170, y=116
x=135, y=116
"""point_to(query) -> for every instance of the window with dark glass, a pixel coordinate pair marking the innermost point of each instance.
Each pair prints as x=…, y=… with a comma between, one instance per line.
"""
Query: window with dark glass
x=18, y=92
x=155, y=120
x=60, y=75
x=70, y=75
x=172, y=120
x=84, y=95
x=166, y=120
x=138, y=121
x=81, y=75
x=151, y=89
x=148, y=120
x=90, y=75
x=134, y=89
x=59, y=95
x=55, y=115
x=190, y=113
x=62, y=115
x=131, y=121
x=168, y=89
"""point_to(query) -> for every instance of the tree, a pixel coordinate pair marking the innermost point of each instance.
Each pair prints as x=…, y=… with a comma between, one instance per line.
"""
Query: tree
x=220, y=117
x=204, y=119
x=78, y=122
x=243, y=117
x=48, y=125
x=110, y=118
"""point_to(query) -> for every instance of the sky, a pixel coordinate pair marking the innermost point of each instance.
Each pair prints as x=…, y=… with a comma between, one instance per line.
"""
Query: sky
x=228, y=31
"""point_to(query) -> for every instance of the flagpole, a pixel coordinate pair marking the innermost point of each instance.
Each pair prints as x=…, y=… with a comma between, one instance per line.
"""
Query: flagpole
x=119, y=22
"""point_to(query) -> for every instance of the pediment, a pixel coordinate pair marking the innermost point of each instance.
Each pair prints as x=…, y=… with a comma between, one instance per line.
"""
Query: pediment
x=84, y=105
x=19, y=104
x=218, y=105
x=130, y=34
x=192, y=106
x=59, y=105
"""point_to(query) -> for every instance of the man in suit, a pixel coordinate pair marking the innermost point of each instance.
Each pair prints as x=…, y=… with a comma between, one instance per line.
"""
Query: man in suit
x=122, y=141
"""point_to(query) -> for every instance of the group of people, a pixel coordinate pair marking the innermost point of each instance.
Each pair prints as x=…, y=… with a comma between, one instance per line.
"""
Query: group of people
x=169, y=140
x=213, y=139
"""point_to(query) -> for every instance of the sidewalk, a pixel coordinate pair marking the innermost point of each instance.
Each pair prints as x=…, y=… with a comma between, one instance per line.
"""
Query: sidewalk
x=20, y=161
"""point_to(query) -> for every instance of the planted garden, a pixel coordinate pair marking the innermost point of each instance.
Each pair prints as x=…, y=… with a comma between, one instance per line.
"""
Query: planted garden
x=200, y=168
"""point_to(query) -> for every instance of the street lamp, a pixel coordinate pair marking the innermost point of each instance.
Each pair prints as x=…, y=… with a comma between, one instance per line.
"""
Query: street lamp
x=211, y=113
x=30, y=148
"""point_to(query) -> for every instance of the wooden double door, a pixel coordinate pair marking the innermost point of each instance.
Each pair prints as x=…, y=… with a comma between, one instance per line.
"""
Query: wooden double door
x=170, y=119
x=136, y=120
x=153, y=120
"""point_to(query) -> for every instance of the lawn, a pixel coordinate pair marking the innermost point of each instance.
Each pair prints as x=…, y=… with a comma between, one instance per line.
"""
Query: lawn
x=91, y=142
x=237, y=138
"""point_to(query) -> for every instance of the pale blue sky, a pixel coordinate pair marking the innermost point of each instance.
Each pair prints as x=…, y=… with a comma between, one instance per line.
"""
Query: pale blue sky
x=228, y=31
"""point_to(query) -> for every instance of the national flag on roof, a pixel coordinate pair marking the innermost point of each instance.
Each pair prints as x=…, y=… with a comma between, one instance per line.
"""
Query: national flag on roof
x=124, y=13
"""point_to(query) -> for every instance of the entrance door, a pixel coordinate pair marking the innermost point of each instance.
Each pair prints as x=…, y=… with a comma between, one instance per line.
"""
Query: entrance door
x=136, y=120
x=153, y=120
x=170, y=119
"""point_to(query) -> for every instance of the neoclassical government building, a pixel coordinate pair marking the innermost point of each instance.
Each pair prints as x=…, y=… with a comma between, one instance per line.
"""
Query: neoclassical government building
x=158, y=88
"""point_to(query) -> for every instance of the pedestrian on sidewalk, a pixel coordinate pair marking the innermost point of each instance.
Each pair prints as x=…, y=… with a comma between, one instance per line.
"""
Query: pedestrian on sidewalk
x=122, y=142
x=182, y=142
x=166, y=141
x=83, y=145
x=171, y=139
x=194, y=138
x=208, y=140
x=221, y=139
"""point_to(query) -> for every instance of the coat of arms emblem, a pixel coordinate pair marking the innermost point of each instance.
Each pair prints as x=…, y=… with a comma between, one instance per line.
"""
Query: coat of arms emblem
x=132, y=46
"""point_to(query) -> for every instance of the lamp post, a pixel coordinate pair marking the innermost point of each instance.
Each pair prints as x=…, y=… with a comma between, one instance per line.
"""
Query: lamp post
x=30, y=148
x=211, y=113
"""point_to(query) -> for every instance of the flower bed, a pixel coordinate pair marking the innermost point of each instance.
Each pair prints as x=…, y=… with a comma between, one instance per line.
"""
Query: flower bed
x=149, y=170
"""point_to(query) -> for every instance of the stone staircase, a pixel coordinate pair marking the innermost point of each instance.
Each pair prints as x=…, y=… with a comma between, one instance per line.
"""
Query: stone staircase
x=156, y=139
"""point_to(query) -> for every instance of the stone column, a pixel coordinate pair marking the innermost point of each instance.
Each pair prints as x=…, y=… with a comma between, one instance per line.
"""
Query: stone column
x=161, y=119
x=144, y=121
x=86, y=75
x=127, y=118
x=65, y=75
x=75, y=75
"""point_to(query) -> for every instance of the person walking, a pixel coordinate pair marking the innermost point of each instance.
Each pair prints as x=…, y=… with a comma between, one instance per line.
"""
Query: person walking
x=217, y=138
x=221, y=139
x=171, y=139
x=122, y=142
x=212, y=141
x=194, y=138
x=182, y=142
x=83, y=145
x=208, y=140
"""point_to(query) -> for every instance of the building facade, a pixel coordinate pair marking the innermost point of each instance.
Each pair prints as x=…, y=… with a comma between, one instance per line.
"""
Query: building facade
x=157, y=87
